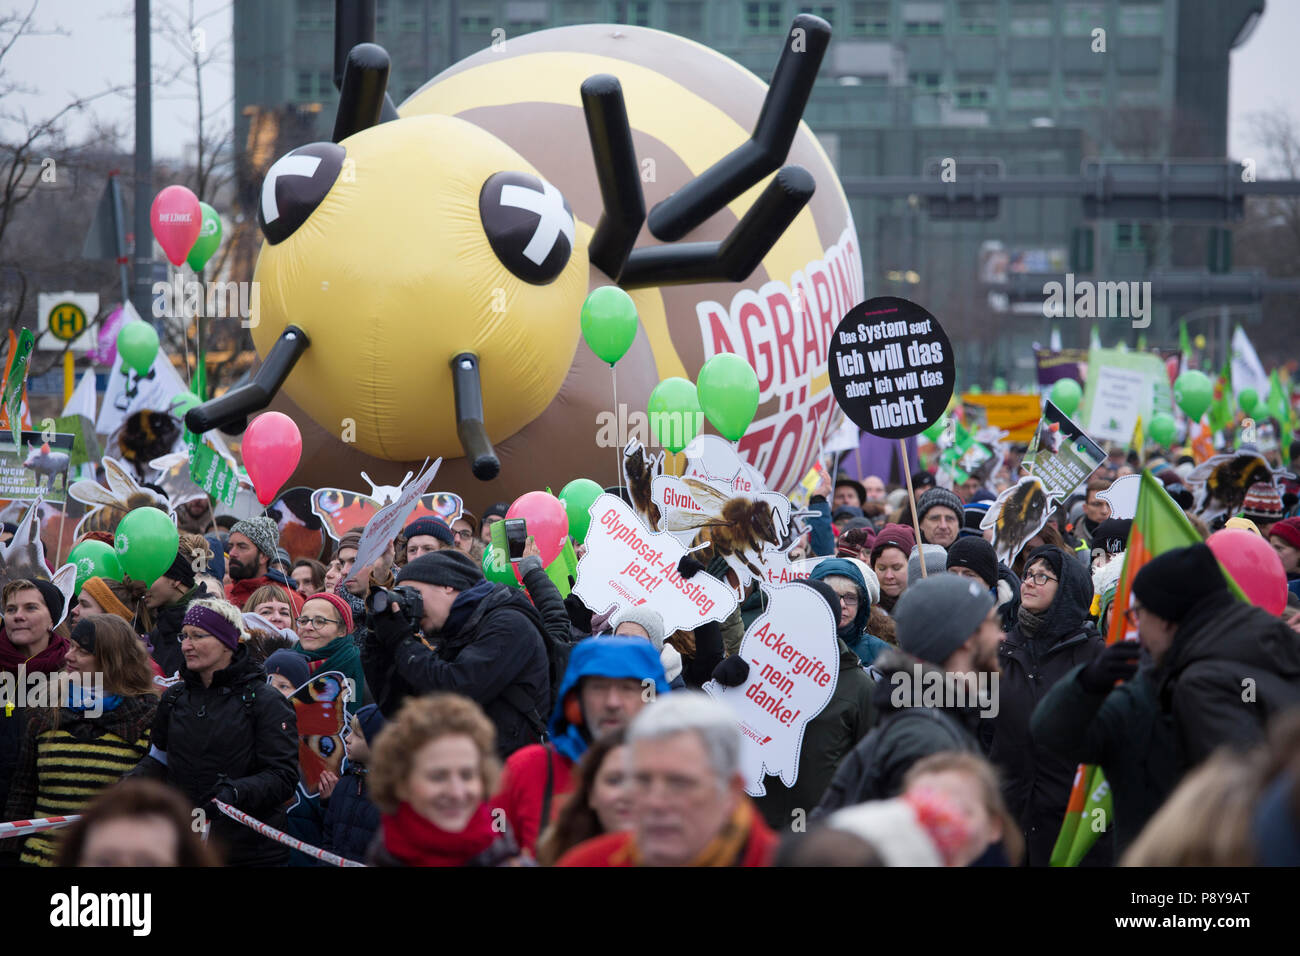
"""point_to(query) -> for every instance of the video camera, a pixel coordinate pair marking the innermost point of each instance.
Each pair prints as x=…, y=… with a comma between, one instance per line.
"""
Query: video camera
x=403, y=602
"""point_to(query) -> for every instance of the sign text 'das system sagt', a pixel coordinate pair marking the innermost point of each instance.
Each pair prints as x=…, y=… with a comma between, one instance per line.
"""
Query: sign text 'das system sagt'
x=891, y=367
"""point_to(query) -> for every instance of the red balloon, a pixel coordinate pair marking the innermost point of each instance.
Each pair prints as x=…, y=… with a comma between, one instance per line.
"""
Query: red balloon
x=548, y=522
x=1254, y=565
x=272, y=447
x=176, y=219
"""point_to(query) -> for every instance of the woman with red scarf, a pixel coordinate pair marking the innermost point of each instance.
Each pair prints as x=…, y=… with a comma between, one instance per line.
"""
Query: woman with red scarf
x=29, y=645
x=434, y=767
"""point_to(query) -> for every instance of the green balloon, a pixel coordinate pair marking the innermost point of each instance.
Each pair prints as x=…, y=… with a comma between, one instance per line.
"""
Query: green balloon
x=728, y=390
x=499, y=571
x=1193, y=393
x=609, y=322
x=146, y=544
x=975, y=390
x=675, y=416
x=578, y=497
x=1000, y=385
x=1247, y=401
x=1163, y=428
x=137, y=343
x=183, y=402
x=1066, y=395
x=209, y=238
x=95, y=559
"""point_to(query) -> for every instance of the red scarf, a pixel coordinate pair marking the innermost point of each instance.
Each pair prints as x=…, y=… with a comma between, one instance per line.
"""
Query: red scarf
x=47, y=661
x=418, y=842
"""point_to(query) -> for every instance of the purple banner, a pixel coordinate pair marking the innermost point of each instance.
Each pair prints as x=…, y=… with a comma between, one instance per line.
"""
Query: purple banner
x=880, y=457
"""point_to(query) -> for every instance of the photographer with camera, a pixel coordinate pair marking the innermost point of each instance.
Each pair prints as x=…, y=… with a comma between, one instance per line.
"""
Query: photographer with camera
x=480, y=639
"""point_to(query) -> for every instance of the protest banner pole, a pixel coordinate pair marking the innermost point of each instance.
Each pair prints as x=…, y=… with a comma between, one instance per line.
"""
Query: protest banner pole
x=911, y=494
x=58, y=548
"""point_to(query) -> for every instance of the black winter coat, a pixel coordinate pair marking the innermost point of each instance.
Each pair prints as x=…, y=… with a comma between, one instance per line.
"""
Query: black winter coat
x=351, y=820
x=1123, y=732
x=1231, y=667
x=13, y=728
x=827, y=738
x=238, y=731
x=496, y=658
x=875, y=767
x=1036, y=781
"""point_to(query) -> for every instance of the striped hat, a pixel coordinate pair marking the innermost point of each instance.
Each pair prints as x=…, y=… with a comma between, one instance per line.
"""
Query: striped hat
x=1263, y=503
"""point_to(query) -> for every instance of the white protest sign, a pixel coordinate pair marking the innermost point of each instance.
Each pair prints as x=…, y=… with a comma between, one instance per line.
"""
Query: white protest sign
x=388, y=522
x=1118, y=403
x=794, y=663
x=627, y=565
x=1122, y=496
x=711, y=458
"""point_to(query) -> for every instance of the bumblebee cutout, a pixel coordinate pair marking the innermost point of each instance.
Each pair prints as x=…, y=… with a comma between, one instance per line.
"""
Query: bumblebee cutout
x=1017, y=515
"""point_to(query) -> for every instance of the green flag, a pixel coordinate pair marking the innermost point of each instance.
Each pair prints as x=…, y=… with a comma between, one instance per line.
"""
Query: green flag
x=1184, y=346
x=14, y=381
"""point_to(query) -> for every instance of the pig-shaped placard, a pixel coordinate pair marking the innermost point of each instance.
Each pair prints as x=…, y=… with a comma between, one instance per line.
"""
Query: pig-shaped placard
x=627, y=565
x=794, y=663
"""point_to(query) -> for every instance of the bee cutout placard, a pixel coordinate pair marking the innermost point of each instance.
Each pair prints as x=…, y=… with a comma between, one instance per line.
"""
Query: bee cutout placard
x=640, y=469
x=1061, y=455
x=1221, y=483
x=627, y=565
x=320, y=706
x=1017, y=515
x=725, y=502
x=892, y=367
x=794, y=664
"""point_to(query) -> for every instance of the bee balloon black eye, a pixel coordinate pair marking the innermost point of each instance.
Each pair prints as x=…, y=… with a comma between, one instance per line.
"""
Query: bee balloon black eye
x=294, y=186
x=528, y=224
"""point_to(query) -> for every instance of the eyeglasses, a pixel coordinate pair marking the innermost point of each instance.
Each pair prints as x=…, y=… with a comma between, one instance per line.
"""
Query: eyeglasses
x=463, y=535
x=848, y=600
x=316, y=622
x=192, y=638
x=1039, y=578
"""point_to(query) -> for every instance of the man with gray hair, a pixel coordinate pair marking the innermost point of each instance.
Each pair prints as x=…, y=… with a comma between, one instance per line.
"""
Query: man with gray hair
x=689, y=803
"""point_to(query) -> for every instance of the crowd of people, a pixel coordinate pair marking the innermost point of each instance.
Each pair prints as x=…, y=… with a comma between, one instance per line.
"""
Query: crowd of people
x=489, y=725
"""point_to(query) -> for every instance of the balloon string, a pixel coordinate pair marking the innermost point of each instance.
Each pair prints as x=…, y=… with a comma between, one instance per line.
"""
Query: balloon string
x=618, y=451
x=185, y=333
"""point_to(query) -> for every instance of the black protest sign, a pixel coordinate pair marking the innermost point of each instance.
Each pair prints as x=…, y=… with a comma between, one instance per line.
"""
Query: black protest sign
x=891, y=367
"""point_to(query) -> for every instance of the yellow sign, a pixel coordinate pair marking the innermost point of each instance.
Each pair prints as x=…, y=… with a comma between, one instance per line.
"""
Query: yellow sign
x=1017, y=414
x=67, y=321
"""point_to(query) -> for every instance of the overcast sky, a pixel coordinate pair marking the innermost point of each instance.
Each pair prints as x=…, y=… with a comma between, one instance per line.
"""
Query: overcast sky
x=98, y=53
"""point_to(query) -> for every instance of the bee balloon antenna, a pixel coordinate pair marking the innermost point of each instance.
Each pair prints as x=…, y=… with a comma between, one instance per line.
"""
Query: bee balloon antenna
x=735, y=257
x=617, y=175
x=230, y=412
x=362, y=92
x=354, y=23
x=768, y=145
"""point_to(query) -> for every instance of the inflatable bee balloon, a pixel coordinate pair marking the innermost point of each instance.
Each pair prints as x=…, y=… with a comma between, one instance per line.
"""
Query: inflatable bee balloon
x=422, y=275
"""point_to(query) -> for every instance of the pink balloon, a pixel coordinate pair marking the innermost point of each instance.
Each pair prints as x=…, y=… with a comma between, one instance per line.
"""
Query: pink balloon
x=176, y=219
x=548, y=522
x=1254, y=565
x=272, y=448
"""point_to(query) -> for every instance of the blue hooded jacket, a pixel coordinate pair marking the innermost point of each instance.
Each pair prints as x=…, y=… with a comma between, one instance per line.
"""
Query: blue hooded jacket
x=625, y=657
x=865, y=645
